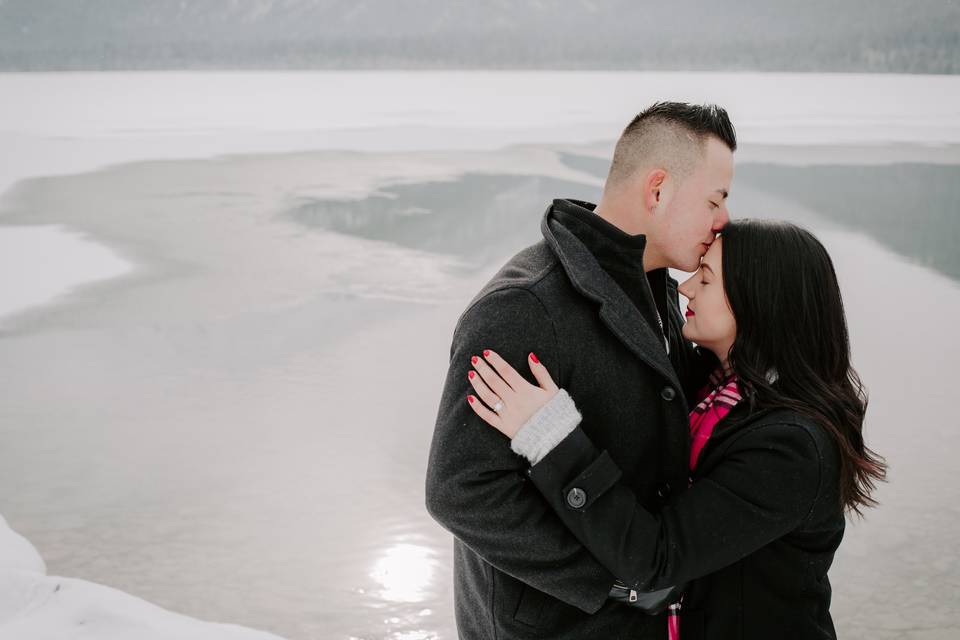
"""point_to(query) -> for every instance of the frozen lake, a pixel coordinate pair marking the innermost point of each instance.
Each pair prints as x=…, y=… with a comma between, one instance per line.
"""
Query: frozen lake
x=231, y=418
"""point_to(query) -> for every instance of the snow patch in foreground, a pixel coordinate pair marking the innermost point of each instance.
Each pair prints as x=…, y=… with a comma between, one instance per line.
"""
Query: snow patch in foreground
x=35, y=606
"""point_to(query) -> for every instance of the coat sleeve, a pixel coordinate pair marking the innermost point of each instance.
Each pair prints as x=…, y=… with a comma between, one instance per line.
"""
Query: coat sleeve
x=478, y=489
x=764, y=487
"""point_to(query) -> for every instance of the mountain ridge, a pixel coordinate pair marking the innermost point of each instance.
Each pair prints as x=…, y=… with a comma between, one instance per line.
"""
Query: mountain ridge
x=819, y=35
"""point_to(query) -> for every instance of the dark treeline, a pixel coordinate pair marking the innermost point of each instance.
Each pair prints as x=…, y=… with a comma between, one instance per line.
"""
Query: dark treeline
x=921, y=36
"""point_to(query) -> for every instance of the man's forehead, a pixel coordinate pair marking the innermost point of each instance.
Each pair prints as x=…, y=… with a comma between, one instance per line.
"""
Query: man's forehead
x=717, y=179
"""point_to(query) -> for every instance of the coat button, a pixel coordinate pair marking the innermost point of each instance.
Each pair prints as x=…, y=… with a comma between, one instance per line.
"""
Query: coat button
x=663, y=490
x=576, y=497
x=668, y=394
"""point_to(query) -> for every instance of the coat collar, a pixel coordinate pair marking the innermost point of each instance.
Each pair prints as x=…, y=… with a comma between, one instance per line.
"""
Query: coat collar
x=739, y=417
x=617, y=312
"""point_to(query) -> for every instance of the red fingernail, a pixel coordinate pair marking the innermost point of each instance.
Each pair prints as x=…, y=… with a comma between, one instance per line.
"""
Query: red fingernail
x=473, y=359
x=471, y=374
x=471, y=399
x=486, y=352
x=533, y=357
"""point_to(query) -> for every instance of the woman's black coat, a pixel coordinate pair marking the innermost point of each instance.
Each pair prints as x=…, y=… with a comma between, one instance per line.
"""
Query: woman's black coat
x=755, y=533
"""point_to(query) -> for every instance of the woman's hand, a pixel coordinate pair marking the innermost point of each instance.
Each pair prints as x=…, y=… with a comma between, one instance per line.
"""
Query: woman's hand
x=508, y=399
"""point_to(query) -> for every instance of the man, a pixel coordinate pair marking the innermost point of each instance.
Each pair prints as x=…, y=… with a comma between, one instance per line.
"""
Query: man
x=594, y=302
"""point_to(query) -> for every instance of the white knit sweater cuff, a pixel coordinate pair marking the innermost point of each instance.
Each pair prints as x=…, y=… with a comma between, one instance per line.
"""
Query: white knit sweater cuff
x=546, y=428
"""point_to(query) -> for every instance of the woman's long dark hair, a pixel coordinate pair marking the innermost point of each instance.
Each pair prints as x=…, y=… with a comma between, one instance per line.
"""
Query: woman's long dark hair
x=792, y=349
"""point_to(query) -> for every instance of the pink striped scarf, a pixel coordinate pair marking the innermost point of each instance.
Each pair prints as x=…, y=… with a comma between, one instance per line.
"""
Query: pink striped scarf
x=714, y=401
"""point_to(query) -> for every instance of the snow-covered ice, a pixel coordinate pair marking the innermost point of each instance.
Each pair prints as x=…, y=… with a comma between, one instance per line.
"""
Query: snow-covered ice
x=40, y=607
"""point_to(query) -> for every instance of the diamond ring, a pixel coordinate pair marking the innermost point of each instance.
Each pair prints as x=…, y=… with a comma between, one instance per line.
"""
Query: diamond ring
x=497, y=407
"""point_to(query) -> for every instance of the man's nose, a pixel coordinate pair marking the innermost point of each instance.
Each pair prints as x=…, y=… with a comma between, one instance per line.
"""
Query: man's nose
x=721, y=220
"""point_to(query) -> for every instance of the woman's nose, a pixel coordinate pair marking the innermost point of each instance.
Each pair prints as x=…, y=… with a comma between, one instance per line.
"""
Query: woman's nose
x=685, y=289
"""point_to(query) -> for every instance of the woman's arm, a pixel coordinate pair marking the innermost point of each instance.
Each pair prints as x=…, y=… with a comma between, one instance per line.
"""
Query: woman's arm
x=763, y=488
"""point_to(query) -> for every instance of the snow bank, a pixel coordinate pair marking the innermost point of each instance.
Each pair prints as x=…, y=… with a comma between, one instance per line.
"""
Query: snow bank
x=35, y=606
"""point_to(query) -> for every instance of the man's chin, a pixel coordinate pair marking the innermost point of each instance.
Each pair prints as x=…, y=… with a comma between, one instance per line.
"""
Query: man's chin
x=685, y=263
x=692, y=265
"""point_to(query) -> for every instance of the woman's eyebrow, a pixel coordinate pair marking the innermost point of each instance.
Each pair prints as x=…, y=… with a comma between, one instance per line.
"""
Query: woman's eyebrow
x=704, y=265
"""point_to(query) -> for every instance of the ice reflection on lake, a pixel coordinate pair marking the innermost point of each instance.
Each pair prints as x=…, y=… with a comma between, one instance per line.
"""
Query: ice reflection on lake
x=281, y=437
x=405, y=572
x=242, y=435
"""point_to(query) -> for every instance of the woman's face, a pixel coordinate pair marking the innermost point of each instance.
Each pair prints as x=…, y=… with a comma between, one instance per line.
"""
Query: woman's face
x=710, y=321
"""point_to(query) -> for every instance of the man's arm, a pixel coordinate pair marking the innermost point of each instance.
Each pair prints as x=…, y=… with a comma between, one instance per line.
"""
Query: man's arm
x=478, y=489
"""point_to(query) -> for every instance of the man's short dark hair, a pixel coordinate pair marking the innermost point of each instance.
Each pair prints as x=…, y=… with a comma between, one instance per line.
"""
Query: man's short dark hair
x=671, y=135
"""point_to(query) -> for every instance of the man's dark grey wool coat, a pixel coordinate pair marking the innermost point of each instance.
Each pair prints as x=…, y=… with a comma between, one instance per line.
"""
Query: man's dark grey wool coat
x=519, y=572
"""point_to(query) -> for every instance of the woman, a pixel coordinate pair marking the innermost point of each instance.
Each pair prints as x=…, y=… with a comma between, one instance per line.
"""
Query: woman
x=777, y=454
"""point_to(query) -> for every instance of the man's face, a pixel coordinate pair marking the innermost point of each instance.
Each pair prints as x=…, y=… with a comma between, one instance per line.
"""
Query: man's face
x=692, y=212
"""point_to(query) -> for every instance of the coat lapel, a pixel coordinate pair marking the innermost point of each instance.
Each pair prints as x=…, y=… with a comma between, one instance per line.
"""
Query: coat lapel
x=616, y=310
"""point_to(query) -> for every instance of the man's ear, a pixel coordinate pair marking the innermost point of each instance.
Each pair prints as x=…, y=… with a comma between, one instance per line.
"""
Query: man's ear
x=653, y=186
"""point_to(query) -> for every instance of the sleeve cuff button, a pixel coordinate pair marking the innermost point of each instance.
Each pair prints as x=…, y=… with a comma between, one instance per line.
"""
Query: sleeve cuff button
x=576, y=497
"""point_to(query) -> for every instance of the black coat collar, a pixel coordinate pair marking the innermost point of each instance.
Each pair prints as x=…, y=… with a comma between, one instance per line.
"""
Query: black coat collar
x=739, y=417
x=616, y=309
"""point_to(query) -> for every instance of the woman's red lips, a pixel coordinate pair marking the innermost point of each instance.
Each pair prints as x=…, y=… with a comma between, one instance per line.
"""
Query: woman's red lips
x=690, y=313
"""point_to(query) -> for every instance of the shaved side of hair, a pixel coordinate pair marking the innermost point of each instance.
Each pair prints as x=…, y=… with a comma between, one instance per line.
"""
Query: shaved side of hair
x=670, y=136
